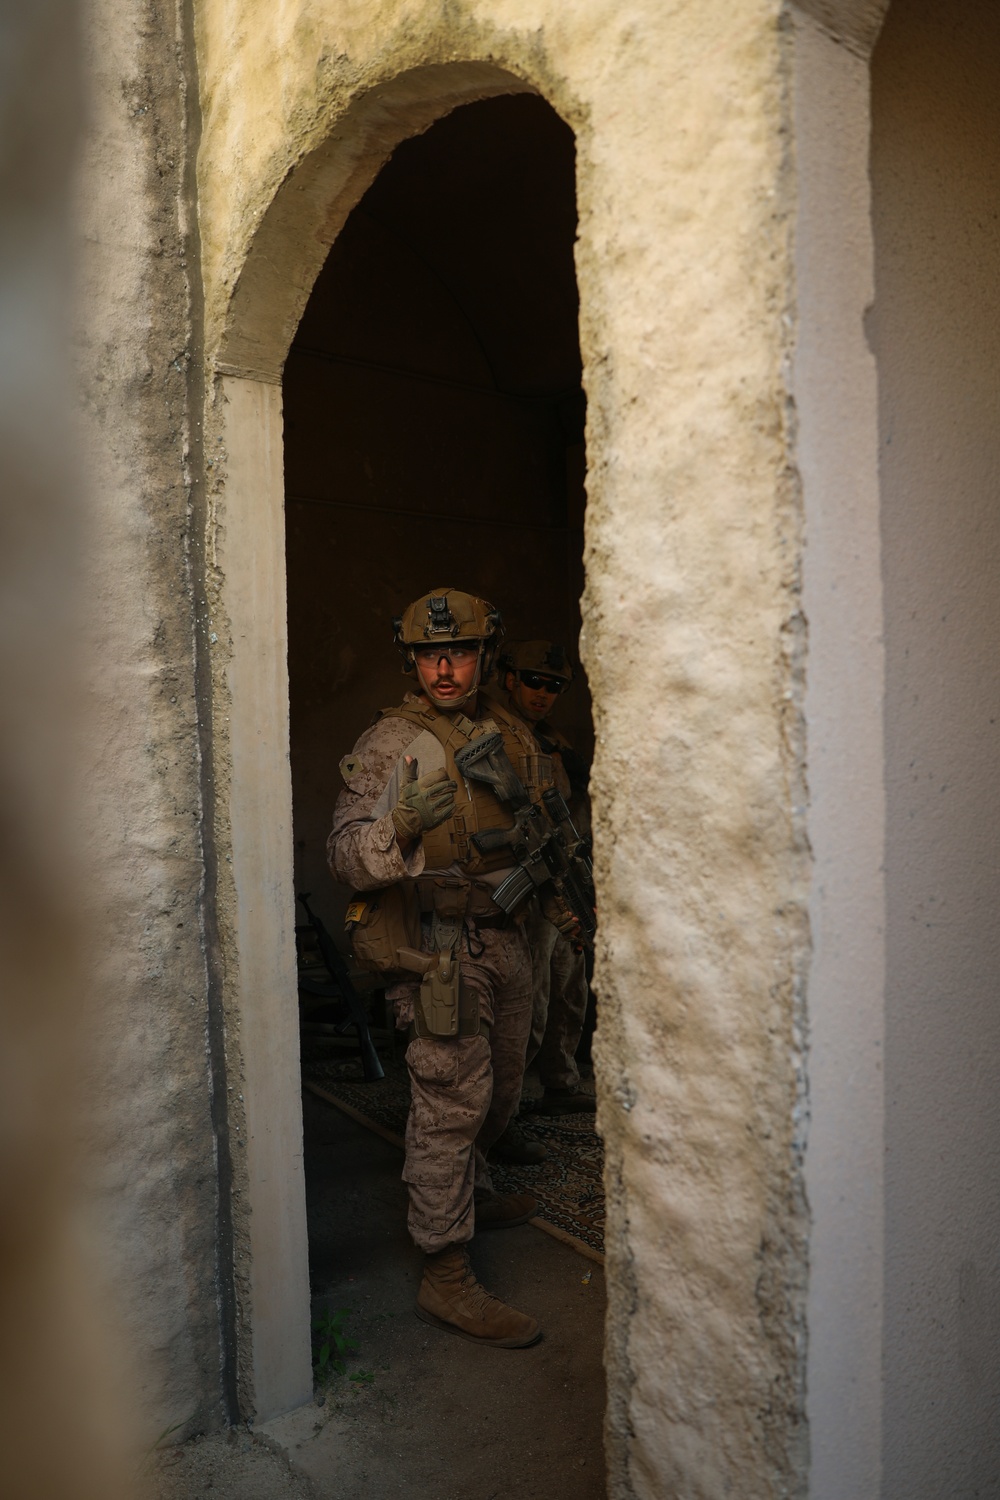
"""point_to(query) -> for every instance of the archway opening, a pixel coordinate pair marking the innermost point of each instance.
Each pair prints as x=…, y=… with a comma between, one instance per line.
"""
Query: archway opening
x=434, y=436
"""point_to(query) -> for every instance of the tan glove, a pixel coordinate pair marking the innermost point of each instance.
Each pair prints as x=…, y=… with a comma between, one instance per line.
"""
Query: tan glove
x=424, y=802
x=559, y=914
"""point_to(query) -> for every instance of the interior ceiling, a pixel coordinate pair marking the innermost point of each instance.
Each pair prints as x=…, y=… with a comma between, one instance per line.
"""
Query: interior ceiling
x=479, y=215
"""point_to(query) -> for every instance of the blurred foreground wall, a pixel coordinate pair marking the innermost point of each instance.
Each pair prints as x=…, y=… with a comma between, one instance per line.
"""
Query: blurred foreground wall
x=62, y=1416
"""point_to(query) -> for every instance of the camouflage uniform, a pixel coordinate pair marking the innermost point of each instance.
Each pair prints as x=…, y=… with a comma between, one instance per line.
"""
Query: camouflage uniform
x=558, y=1004
x=559, y=974
x=559, y=990
x=464, y=1089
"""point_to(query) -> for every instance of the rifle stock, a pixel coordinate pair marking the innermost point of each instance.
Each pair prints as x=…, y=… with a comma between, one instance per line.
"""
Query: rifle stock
x=547, y=846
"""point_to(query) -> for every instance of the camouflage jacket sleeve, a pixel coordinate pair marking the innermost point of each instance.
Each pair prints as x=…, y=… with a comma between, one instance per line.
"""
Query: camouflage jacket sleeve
x=362, y=849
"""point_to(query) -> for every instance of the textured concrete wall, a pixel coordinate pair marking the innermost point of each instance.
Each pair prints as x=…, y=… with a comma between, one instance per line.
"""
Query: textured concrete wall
x=693, y=632
x=723, y=230
x=149, y=1067
x=936, y=334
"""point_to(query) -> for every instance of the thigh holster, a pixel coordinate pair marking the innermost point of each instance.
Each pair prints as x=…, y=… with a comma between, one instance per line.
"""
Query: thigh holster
x=446, y=1006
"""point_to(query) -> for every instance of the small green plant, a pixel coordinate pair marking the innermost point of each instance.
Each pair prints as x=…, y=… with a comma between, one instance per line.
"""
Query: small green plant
x=363, y=1377
x=331, y=1342
x=158, y=1447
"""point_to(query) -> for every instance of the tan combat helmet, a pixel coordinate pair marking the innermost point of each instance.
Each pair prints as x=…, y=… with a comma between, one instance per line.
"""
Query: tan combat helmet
x=547, y=657
x=446, y=615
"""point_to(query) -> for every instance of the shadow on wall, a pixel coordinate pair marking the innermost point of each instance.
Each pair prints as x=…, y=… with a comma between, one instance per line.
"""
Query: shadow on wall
x=936, y=331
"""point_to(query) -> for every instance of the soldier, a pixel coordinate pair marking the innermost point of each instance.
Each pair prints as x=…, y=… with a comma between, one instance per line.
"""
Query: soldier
x=402, y=830
x=533, y=674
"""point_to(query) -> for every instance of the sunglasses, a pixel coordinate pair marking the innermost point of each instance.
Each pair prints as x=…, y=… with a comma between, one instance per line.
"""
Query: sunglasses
x=538, y=682
x=457, y=655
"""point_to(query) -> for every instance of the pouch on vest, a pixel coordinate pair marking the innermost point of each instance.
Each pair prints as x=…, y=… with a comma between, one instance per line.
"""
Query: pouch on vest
x=380, y=923
x=537, y=772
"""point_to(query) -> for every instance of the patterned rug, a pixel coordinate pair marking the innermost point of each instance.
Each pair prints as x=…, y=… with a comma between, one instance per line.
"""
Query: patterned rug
x=568, y=1185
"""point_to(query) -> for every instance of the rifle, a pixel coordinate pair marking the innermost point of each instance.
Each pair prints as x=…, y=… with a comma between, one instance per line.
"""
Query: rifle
x=334, y=961
x=547, y=847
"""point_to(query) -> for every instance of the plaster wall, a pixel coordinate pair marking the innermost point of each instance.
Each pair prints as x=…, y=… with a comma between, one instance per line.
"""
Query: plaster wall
x=936, y=332
x=264, y=1043
x=837, y=449
x=692, y=629
x=148, y=1063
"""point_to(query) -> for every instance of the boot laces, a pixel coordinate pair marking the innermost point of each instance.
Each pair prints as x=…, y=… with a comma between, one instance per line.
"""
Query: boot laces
x=478, y=1296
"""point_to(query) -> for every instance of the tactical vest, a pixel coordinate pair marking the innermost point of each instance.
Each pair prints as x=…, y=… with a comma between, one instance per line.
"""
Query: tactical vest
x=476, y=807
x=551, y=742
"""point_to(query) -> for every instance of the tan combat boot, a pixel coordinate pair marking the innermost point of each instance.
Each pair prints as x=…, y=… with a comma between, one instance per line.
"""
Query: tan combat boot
x=514, y=1146
x=503, y=1210
x=451, y=1298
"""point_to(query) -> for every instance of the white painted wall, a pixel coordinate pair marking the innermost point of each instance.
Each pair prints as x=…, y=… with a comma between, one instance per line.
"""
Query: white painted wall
x=837, y=454
x=255, y=839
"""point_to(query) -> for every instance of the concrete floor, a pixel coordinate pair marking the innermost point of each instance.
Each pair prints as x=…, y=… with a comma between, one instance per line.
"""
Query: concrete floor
x=434, y=1417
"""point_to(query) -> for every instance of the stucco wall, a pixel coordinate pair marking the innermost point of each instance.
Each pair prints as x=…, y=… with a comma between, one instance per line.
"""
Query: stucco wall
x=723, y=230
x=693, y=637
x=936, y=333
x=148, y=1069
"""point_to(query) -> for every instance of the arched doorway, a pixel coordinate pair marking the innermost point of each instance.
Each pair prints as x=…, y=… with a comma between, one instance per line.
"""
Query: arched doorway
x=250, y=888
x=709, y=470
x=434, y=436
x=433, y=424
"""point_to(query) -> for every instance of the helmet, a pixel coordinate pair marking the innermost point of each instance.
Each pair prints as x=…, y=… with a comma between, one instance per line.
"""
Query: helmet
x=548, y=657
x=449, y=615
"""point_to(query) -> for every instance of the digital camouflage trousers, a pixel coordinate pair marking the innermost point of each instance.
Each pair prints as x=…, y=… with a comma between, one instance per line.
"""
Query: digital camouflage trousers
x=464, y=1090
